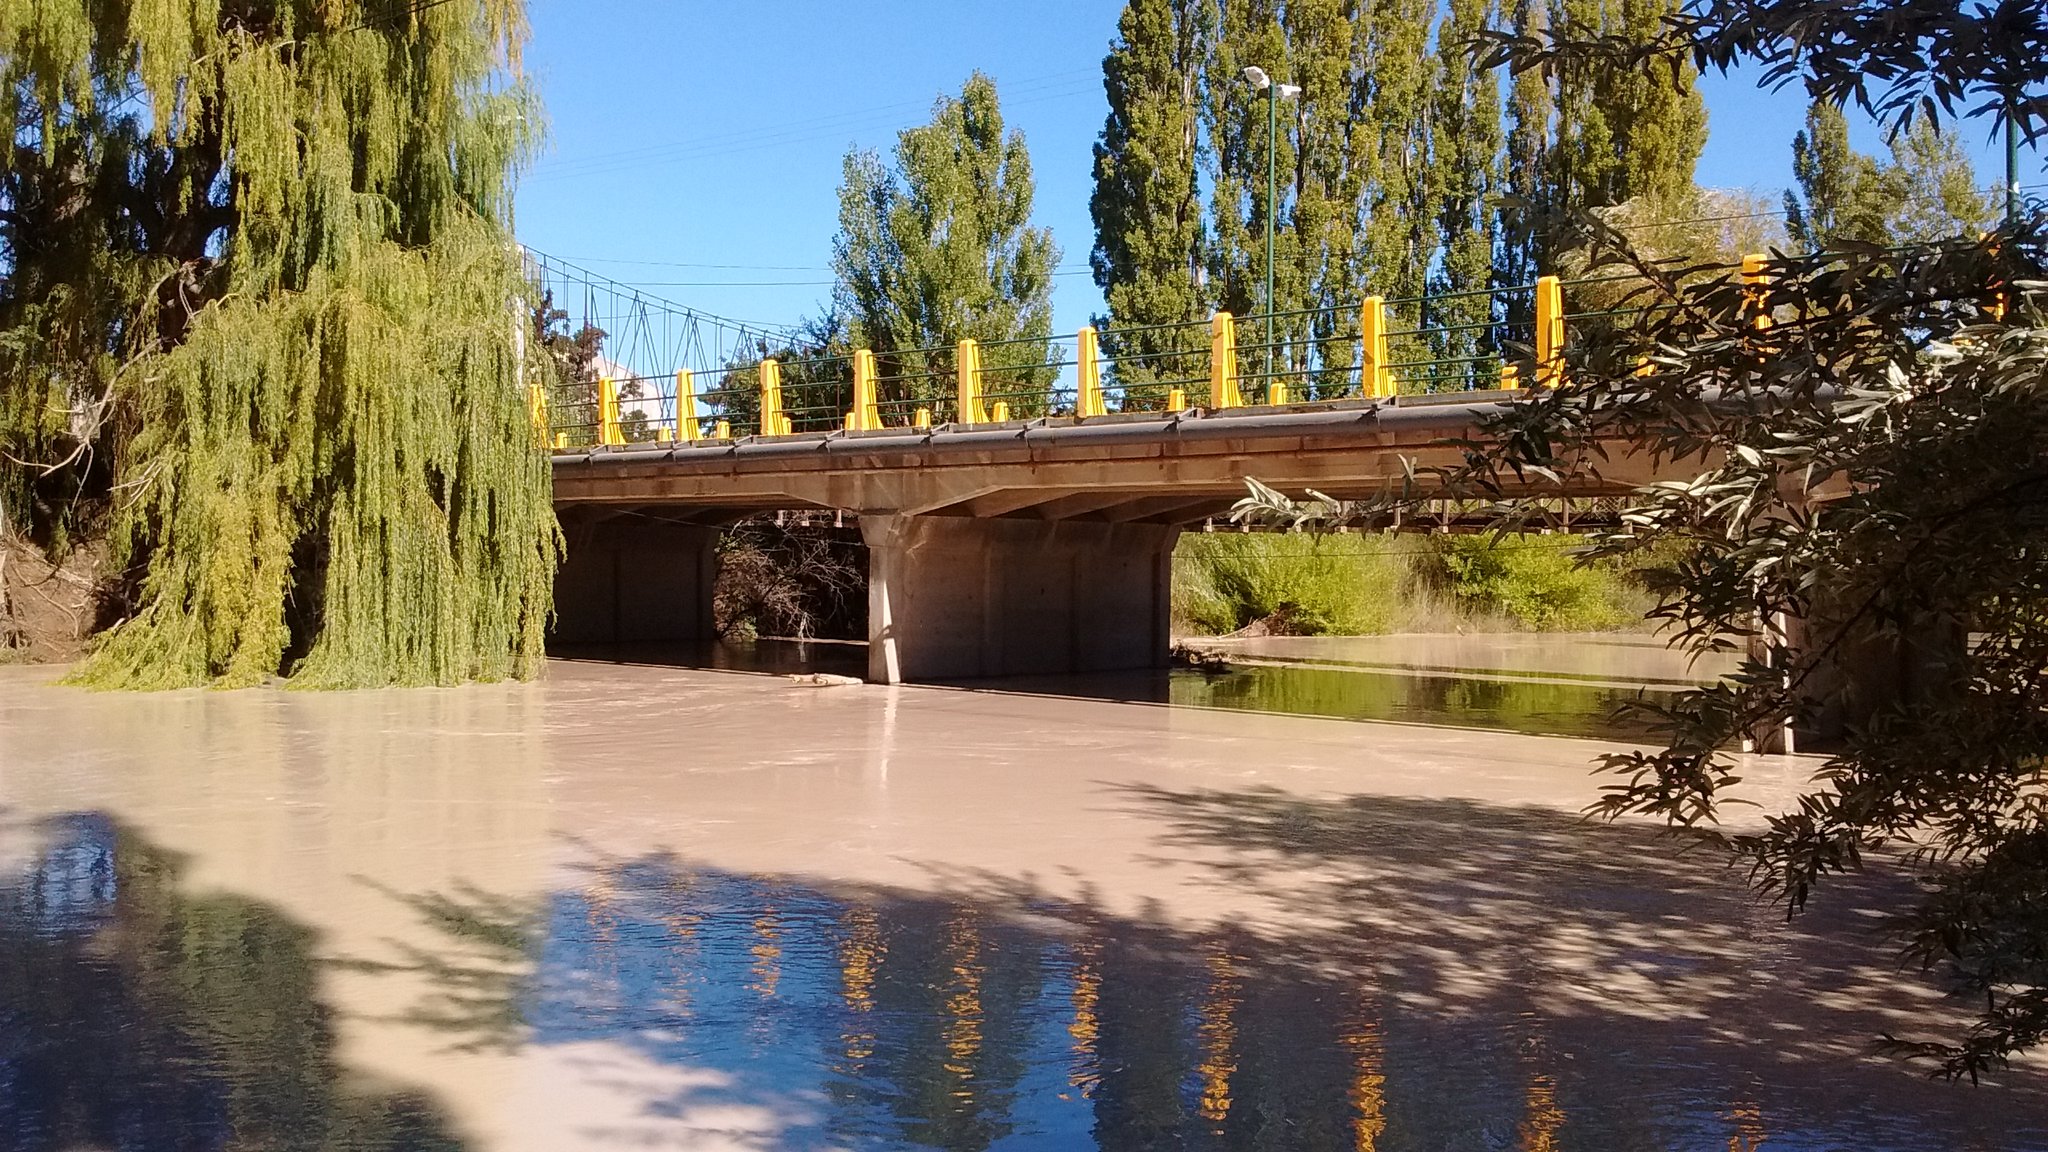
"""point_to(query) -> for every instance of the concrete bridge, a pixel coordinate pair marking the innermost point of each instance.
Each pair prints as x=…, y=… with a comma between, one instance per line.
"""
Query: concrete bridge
x=1011, y=548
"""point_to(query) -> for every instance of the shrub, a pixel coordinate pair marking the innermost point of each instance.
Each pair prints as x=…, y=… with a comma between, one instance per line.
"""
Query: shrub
x=1306, y=584
x=1535, y=580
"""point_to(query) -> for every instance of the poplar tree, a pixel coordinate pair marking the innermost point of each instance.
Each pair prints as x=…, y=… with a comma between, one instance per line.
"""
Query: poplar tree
x=1525, y=164
x=1147, y=205
x=940, y=248
x=1928, y=189
x=259, y=257
x=1465, y=169
x=1582, y=137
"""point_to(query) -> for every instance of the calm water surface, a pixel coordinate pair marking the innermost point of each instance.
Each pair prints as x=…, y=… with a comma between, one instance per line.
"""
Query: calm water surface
x=642, y=907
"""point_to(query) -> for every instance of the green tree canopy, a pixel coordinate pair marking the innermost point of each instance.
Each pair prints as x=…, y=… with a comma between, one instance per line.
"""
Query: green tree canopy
x=1147, y=204
x=940, y=248
x=1927, y=191
x=1868, y=514
x=258, y=256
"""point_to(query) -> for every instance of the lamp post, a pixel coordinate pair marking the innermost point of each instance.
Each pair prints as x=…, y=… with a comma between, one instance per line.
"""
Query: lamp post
x=1274, y=94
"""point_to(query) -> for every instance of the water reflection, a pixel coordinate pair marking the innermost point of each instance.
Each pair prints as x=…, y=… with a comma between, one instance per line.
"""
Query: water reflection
x=1537, y=707
x=136, y=1017
x=872, y=1018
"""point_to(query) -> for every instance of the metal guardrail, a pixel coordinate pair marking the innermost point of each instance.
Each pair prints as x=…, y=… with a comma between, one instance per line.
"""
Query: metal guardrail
x=1154, y=368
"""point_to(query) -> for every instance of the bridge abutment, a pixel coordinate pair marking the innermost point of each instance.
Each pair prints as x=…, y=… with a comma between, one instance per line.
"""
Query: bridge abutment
x=635, y=579
x=955, y=597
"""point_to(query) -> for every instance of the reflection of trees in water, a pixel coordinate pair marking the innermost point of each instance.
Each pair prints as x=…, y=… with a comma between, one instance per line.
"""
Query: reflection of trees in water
x=138, y=1017
x=1534, y=706
x=1436, y=974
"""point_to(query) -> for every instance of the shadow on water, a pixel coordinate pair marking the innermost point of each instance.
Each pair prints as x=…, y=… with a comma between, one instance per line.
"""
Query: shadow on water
x=1428, y=975
x=764, y=656
x=1416, y=974
x=136, y=1017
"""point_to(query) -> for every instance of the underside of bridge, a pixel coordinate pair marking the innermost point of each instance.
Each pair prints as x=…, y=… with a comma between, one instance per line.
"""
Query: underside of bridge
x=1037, y=547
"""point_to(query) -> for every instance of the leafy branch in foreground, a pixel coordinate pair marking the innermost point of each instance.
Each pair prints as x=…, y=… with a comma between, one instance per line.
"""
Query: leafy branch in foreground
x=1866, y=436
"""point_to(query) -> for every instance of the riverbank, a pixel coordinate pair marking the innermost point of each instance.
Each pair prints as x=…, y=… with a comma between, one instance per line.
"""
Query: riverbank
x=639, y=904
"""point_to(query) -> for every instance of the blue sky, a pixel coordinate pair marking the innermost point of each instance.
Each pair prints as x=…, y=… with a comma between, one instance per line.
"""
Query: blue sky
x=695, y=147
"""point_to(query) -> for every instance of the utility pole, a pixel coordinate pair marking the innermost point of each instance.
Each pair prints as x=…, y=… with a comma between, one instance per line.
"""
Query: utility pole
x=1274, y=94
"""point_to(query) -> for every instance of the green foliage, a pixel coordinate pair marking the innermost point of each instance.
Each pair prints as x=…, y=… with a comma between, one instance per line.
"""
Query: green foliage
x=283, y=303
x=940, y=248
x=1927, y=191
x=1398, y=172
x=1344, y=585
x=1867, y=511
x=1535, y=580
x=1146, y=203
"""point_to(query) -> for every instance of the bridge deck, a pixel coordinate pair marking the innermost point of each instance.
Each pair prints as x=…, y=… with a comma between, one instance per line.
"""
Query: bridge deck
x=1168, y=468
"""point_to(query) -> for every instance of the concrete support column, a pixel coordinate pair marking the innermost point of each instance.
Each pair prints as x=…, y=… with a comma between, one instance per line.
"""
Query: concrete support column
x=634, y=579
x=1851, y=671
x=951, y=597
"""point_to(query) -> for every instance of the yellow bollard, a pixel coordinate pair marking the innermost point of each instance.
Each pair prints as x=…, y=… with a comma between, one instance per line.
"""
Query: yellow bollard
x=1088, y=358
x=1223, y=391
x=867, y=414
x=774, y=421
x=608, y=430
x=1510, y=377
x=1176, y=400
x=1753, y=280
x=1276, y=391
x=847, y=422
x=1373, y=377
x=923, y=421
x=999, y=411
x=537, y=409
x=561, y=440
x=967, y=365
x=723, y=431
x=1549, y=332
x=687, y=426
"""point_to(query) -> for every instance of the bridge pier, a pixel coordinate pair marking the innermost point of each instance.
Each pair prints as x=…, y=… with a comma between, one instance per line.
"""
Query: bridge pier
x=635, y=579
x=956, y=597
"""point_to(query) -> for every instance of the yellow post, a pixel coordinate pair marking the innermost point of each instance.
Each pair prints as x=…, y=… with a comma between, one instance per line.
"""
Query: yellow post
x=608, y=430
x=923, y=420
x=1510, y=377
x=687, y=427
x=1373, y=377
x=774, y=422
x=1276, y=391
x=561, y=440
x=1753, y=282
x=1088, y=357
x=999, y=411
x=866, y=415
x=537, y=408
x=1176, y=399
x=1223, y=391
x=967, y=365
x=1549, y=332
x=723, y=431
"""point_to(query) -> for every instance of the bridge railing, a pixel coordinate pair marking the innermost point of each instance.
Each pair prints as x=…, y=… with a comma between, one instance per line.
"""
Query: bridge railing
x=1484, y=340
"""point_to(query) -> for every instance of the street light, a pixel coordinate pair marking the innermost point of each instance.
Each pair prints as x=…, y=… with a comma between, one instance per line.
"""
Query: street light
x=1274, y=94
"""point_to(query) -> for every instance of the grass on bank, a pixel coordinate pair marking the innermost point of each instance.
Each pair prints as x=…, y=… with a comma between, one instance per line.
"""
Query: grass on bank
x=1304, y=584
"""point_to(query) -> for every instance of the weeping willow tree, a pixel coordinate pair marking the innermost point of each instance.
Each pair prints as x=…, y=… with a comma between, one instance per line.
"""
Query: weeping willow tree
x=259, y=300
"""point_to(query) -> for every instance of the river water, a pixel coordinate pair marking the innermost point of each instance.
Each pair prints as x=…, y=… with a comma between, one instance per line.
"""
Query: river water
x=637, y=906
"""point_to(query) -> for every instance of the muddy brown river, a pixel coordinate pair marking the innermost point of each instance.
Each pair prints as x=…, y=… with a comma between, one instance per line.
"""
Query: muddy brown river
x=646, y=907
